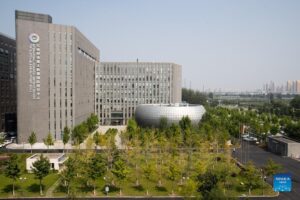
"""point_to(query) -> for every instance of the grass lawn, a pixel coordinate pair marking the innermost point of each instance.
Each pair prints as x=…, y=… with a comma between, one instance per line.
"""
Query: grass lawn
x=26, y=188
x=30, y=186
x=129, y=189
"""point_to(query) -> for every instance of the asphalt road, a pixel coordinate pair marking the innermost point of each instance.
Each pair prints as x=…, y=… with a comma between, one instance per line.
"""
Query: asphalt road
x=260, y=156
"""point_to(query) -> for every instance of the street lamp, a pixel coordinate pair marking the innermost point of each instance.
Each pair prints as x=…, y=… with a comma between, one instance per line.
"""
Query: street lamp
x=263, y=179
x=106, y=186
x=23, y=179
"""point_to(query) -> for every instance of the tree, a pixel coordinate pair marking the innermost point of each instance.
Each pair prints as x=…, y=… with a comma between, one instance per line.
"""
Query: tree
x=207, y=182
x=120, y=170
x=48, y=141
x=41, y=168
x=69, y=173
x=173, y=173
x=295, y=102
x=148, y=171
x=163, y=123
x=66, y=136
x=97, y=138
x=271, y=168
x=131, y=128
x=79, y=133
x=12, y=170
x=251, y=175
x=2, y=139
x=189, y=188
x=185, y=123
x=194, y=97
x=274, y=129
x=32, y=139
x=96, y=168
x=92, y=121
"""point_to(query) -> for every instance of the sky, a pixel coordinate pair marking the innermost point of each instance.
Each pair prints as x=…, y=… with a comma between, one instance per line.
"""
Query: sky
x=229, y=45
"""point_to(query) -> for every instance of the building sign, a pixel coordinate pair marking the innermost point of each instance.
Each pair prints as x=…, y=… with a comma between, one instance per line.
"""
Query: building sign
x=34, y=66
x=282, y=183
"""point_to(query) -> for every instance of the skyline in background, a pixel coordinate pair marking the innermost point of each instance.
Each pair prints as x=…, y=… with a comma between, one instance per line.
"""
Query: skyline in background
x=228, y=45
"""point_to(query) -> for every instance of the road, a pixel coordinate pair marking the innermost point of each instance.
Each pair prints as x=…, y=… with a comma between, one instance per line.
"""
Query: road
x=260, y=156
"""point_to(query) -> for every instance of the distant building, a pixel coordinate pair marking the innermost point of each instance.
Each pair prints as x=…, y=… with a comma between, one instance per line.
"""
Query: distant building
x=56, y=67
x=289, y=86
x=124, y=85
x=297, y=82
x=283, y=146
x=149, y=115
x=56, y=160
x=8, y=103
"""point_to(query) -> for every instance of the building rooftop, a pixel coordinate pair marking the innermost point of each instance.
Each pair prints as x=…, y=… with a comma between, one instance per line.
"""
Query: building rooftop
x=37, y=17
x=283, y=139
x=182, y=104
x=47, y=155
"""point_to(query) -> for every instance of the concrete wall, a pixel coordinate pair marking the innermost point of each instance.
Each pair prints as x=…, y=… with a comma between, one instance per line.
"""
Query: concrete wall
x=294, y=150
x=32, y=114
x=176, y=84
x=85, y=66
x=67, y=77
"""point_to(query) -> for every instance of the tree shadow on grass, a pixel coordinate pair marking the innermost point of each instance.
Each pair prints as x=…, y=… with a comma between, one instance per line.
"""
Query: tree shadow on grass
x=85, y=188
x=8, y=188
x=35, y=187
x=139, y=188
x=61, y=188
x=161, y=188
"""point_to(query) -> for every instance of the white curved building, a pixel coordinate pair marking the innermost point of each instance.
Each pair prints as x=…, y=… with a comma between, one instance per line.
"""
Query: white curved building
x=151, y=114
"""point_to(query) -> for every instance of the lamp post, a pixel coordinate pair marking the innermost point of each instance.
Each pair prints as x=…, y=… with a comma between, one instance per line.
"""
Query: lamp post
x=106, y=186
x=263, y=179
x=22, y=179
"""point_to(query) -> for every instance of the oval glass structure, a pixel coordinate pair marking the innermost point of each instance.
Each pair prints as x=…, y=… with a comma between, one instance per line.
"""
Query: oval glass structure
x=149, y=115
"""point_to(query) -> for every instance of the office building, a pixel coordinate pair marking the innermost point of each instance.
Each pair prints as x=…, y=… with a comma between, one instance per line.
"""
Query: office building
x=150, y=115
x=56, y=67
x=8, y=102
x=124, y=85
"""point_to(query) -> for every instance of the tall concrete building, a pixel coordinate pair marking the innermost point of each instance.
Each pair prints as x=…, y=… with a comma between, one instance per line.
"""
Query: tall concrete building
x=297, y=83
x=8, y=102
x=121, y=86
x=56, y=67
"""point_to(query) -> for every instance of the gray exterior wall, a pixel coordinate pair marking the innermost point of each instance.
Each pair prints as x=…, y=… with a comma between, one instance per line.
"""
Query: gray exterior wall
x=294, y=150
x=290, y=149
x=8, y=88
x=121, y=86
x=67, y=77
x=86, y=61
x=32, y=114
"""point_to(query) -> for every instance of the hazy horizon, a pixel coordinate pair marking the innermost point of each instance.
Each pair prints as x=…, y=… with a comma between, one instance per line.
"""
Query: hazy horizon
x=232, y=45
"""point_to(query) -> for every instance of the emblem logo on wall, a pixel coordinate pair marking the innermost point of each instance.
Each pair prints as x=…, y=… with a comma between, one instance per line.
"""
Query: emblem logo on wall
x=34, y=38
x=34, y=66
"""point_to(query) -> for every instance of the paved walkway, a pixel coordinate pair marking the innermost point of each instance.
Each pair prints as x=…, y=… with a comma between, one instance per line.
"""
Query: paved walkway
x=59, y=144
x=260, y=157
x=51, y=189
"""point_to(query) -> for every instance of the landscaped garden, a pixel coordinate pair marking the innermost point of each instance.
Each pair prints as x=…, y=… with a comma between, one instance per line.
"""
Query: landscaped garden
x=172, y=160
